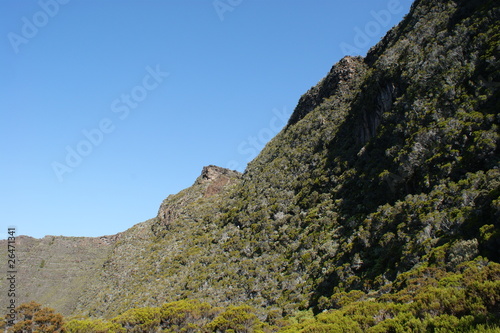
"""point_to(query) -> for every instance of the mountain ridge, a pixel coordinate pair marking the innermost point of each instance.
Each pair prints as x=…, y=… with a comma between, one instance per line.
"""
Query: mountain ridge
x=389, y=165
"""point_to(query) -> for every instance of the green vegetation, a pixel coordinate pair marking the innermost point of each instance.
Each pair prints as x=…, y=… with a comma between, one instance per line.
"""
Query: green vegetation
x=377, y=208
x=424, y=299
x=93, y=326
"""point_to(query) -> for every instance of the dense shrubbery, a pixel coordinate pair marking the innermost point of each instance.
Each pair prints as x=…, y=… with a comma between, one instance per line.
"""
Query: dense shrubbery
x=180, y=316
x=377, y=209
x=398, y=159
x=425, y=299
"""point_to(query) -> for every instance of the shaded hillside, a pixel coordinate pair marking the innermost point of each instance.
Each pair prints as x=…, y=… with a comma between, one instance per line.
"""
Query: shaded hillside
x=378, y=177
x=388, y=166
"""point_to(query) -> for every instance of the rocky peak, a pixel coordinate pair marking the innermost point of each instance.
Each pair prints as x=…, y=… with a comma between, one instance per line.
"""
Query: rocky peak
x=212, y=181
x=340, y=74
x=212, y=173
x=217, y=178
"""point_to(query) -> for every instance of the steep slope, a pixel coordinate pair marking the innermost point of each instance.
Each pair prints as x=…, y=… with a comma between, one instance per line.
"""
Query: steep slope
x=389, y=165
x=387, y=160
x=153, y=262
x=56, y=270
x=408, y=163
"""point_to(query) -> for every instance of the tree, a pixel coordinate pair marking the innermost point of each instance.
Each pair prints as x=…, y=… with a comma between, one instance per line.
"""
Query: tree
x=32, y=317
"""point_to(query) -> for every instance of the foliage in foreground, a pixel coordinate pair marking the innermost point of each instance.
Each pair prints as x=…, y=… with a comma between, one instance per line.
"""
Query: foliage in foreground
x=32, y=317
x=425, y=299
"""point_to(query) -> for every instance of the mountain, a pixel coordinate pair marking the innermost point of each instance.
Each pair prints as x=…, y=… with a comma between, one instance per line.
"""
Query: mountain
x=387, y=172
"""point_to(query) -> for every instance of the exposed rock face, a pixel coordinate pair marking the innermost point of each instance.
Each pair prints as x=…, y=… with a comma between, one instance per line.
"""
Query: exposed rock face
x=213, y=172
x=212, y=181
x=217, y=178
x=338, y=84
x=371, y=116
x=109, y=240
x=332, y=84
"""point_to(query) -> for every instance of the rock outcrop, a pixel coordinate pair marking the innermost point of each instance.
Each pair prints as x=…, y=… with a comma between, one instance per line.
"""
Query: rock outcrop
x=334, y=84
x=212, y=181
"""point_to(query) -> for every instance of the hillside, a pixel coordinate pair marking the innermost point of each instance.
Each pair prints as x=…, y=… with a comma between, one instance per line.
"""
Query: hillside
x=387, y=173
x=56, y=270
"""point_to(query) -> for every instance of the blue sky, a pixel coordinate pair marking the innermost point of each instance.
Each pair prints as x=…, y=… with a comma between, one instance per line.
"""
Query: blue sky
x=109, y=106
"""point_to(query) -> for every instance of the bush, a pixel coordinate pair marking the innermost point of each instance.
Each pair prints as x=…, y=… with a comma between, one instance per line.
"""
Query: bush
x=32, y=317
x=93, y=326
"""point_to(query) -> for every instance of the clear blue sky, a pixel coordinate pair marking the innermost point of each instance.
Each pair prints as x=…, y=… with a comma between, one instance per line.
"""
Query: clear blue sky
x=108, y=107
